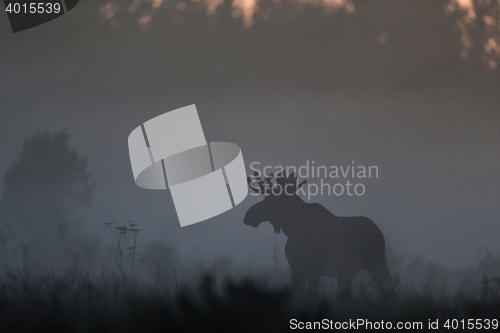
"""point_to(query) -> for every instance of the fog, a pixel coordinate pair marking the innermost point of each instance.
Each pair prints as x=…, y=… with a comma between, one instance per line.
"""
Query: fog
x=384, y=85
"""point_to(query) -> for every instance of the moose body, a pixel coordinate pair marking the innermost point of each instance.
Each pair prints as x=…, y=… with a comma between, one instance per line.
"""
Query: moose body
x=322, y=244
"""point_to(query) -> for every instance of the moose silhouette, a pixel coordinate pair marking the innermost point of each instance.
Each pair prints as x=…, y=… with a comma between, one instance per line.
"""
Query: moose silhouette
x=319, y=243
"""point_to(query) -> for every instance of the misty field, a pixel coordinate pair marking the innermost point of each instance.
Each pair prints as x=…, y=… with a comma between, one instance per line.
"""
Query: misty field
x=216, y=297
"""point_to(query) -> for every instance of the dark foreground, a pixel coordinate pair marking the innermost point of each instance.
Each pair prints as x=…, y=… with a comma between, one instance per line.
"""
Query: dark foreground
x=78, y=304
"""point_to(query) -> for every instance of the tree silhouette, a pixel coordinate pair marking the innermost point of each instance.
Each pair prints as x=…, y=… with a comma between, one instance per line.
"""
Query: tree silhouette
x=43, y=191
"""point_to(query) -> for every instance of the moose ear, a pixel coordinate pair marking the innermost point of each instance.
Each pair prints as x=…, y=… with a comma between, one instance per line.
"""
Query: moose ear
x=252, y=186
x=281, y=179
x=301, y=184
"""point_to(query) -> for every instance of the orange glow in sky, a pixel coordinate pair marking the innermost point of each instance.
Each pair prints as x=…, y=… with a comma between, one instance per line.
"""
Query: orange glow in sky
x=467, y=12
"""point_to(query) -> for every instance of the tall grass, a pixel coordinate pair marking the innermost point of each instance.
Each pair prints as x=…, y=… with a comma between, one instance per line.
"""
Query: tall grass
x=152, y=290
x=72, y=301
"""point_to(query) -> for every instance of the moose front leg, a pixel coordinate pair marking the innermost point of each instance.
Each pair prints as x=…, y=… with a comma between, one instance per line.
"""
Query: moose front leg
x=298, y=282
x=298, y=268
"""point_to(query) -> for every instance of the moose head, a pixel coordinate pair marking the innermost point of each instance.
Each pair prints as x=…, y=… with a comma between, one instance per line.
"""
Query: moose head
x=279, y=197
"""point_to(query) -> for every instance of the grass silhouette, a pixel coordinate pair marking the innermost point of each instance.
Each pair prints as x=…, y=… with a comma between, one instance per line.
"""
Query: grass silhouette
x=74, y=302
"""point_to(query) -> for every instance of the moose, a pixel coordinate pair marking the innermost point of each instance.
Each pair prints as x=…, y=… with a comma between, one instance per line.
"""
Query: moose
x=319, y=243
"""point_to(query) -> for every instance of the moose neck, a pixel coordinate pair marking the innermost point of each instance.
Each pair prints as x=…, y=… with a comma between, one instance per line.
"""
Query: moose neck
x=293, y=219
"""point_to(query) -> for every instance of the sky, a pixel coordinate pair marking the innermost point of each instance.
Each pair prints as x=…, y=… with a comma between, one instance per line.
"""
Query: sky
x=384, y=85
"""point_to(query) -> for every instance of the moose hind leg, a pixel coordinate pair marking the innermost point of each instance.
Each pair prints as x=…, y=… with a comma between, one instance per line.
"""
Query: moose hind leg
x=312, y=286
x=379, y=271
x=344, y=284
